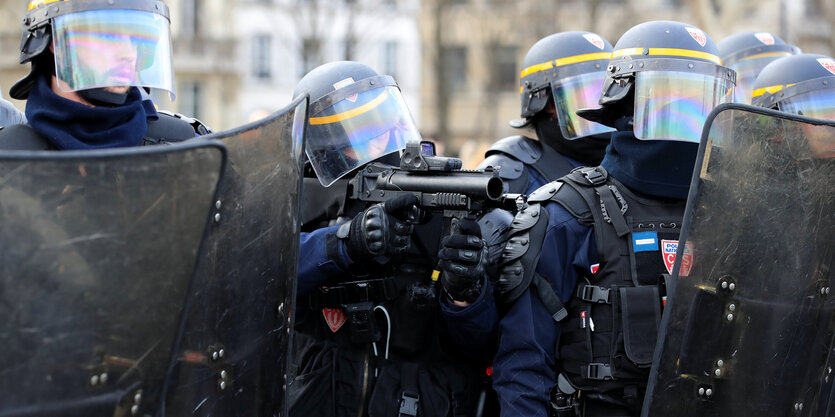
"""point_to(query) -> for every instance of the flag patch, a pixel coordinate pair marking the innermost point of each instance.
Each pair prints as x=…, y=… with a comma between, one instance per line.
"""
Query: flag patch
x=645, y=241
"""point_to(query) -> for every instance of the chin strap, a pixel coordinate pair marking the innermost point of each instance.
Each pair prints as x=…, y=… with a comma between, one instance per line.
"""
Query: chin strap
x=103, y=98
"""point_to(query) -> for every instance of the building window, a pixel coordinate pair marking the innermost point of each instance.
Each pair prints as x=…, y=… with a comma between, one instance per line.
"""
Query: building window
x=188, y=18
x=503, y=69
x=311, y=56
x=190, y=98
x=814, y=8
x=390, y=58
x=455, y=67
x=261, y=57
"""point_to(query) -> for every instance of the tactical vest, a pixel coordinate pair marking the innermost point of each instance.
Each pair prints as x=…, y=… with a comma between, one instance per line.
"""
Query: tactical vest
x=168, y=128
x=609, y=328
x=379, y=327
x=514, y=153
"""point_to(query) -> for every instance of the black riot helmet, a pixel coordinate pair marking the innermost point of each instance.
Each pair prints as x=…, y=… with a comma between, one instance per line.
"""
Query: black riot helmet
x=567, y=68
x=667, y=76
x=748, y=53
x=355, y=117
x=801, y=84
x=97, y=43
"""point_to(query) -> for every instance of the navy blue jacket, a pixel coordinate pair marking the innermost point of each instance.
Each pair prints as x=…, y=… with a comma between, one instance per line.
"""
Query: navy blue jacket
x=315, y=267
x=526, y=334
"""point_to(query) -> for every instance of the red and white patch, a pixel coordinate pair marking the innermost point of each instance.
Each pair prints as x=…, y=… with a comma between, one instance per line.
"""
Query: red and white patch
x=697, y=35
x=334, y=317
x=595, y=40
x=668, y=251
x=828, y=63
x=594, y=268
x=765, y=38
x=686, y=260
x=344, y=83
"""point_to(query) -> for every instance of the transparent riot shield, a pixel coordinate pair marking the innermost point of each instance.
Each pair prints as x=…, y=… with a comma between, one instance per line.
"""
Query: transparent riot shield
x=748, y=330
x=97, y=252
x=232, y=359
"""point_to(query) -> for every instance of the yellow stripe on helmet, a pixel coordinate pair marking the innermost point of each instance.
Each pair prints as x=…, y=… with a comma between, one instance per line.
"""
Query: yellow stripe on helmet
x=689, y=53
x=770, y=89
x=350, y=113
x=36, y=3
x=565, y=61
x=536, y=68
x=766, y=55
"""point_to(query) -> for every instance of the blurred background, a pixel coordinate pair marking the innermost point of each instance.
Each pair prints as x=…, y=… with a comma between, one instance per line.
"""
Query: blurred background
x=457, y=61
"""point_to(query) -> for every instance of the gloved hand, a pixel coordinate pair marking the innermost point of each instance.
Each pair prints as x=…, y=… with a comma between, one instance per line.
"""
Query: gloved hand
x=463, y=259
x=380, y=231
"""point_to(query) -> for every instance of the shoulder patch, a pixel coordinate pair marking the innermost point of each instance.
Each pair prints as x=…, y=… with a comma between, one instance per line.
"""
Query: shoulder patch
x=524, y=149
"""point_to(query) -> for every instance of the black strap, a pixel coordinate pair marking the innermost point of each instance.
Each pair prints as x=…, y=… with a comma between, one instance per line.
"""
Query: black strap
x=546, y=294
x=410, y=397
x=594, y=294
x=612, y=210
x=597, y=371
x=376, y=291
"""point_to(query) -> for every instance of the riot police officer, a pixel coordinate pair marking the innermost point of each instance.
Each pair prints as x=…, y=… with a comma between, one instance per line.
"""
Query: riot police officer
x=800, y=84
x=91, y=62
x=369, y=339
x=748, y=53
x=805, y=85
x=603, y=236
x=561, y=74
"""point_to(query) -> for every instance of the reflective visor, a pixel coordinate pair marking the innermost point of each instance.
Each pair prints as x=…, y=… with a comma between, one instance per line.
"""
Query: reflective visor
x=674, y=105
x=358, y=130
x=112, y=48
x=817, y=104
x=574, y=93
x=747, y=71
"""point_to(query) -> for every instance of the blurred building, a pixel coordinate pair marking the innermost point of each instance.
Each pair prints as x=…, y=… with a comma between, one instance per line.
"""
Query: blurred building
x=281, y=40
x=457, y=61
x=473, y=49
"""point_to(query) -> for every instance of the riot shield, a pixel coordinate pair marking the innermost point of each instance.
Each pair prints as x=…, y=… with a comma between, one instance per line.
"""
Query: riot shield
x=232, y=359
x=98, y=250
x=748, y=329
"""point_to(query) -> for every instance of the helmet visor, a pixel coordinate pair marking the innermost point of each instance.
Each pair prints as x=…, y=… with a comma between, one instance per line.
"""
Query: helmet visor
x=574, y=93
x=358, y=130
x=817, y=104
x=112, y=48
x=674, y=105
x=747, y=71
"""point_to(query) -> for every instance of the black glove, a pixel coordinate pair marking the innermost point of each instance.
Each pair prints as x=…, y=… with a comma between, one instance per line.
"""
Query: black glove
x=378, y=232
x=463, y=258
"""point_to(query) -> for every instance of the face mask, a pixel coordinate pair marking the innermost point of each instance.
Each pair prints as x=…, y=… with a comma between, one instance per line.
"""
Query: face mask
x=587, y=150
